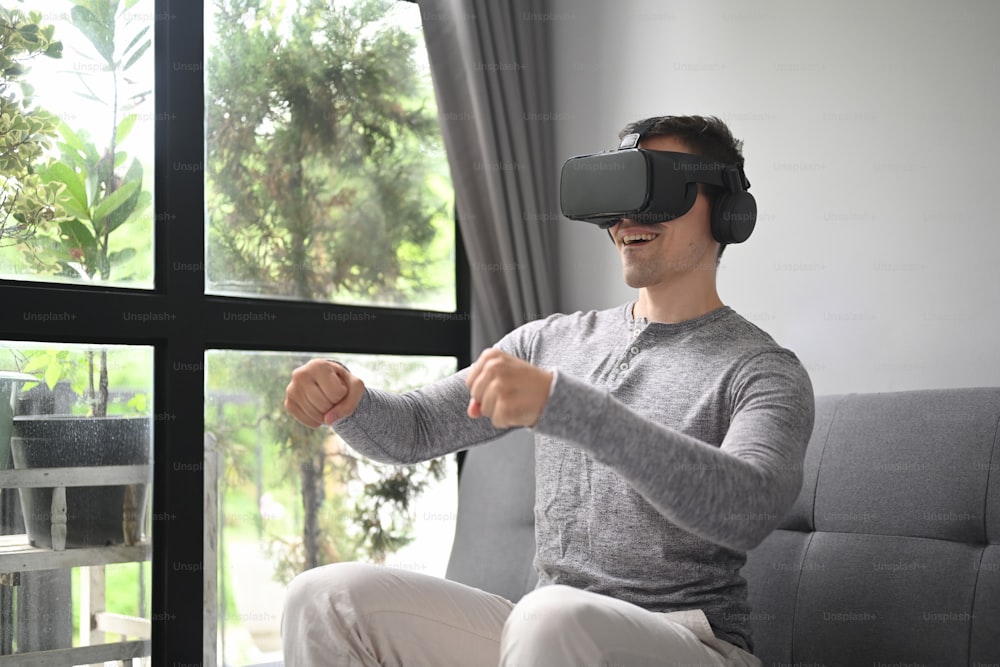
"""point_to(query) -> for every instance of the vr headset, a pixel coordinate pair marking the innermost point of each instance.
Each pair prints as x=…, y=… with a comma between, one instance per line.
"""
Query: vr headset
x=650, y=186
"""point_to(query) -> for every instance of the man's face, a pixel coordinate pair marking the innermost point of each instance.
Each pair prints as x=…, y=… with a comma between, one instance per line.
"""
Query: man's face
x=662, y=252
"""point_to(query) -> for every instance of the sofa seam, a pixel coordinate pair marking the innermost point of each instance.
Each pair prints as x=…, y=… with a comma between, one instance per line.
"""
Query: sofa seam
x=972, y=604
x=798, y=586
x=989, y=475
x=812, y=532
x=986, y=537
x=822, y=454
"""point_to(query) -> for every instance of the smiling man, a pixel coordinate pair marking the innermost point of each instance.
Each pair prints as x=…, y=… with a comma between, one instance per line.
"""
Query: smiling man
x=669, y=431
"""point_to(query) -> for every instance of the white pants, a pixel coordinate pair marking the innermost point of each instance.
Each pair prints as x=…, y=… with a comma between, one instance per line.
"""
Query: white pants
x=355, y=615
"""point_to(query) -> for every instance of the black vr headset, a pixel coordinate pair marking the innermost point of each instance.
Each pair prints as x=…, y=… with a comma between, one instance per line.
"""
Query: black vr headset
x=650, y=186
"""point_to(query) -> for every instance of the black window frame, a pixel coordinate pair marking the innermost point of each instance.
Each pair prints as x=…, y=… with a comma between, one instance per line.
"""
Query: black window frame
x=187, y=322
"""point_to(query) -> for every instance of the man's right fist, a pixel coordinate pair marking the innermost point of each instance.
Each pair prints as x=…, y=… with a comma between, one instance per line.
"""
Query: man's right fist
x=322, y=391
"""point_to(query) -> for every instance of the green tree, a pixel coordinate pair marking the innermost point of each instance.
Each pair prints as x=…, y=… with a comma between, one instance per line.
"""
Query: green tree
x=321, y=145
x=323, y=150
x=26, y=131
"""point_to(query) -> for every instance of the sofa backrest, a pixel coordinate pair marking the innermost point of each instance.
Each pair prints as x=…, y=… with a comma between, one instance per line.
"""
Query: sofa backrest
x=494, y=547
x=890, y=555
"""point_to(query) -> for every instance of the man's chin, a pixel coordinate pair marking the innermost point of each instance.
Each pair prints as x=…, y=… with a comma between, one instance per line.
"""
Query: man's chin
x=634, y=281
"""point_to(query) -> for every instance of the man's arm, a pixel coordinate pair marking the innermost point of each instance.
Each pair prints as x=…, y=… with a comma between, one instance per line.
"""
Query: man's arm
x=386, y=427
x=734, y=494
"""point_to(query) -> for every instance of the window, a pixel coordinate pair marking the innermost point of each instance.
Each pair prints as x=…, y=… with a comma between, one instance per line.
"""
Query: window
x=202, y=304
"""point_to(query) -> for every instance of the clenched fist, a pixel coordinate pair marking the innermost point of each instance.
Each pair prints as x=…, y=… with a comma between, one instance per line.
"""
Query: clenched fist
x=509, y=391
x=322, y=391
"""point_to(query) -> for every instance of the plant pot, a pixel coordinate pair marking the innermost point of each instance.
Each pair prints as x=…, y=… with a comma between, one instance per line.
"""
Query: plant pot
x=93, y=513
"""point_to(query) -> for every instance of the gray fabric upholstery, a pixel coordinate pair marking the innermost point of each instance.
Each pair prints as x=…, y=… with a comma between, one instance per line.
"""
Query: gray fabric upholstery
x=494, y=546
x=890, y=554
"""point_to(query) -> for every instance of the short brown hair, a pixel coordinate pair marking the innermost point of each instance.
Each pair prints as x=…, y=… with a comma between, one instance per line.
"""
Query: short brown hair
x=706, y=136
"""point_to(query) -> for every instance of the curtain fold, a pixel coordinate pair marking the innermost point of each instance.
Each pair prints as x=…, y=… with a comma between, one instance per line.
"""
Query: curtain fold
x=490, y=64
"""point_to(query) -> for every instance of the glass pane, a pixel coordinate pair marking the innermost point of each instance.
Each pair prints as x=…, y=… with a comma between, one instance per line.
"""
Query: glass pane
x=77, y=155
x=270, y=468
x=80, y=550
x=326, y=176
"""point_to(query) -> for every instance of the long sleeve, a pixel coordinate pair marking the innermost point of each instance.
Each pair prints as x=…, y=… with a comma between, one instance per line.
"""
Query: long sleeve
x=733, y=494
x=417, y=425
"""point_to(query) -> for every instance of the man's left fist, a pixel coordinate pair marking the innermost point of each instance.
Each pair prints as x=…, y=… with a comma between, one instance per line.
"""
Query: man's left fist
x=508, y=390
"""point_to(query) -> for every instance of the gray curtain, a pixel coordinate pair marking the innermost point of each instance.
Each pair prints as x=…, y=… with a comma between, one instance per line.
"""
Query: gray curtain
x=490, y=65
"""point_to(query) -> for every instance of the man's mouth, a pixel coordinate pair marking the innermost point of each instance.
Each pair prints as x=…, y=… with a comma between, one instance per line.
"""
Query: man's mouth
x=637, y=238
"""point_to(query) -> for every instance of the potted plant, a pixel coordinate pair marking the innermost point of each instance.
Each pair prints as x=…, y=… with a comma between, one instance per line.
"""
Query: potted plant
x=95, y=515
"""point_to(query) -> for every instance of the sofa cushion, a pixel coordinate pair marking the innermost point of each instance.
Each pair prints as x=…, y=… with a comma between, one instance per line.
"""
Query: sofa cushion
x=908, y=463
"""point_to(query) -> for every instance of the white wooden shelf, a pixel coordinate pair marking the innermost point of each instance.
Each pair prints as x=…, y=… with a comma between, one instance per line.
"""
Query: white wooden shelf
x=80, y=476
x=16, y=555
x=81, y=655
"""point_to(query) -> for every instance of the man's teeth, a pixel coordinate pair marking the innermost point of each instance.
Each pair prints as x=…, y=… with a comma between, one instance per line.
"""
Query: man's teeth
x=632, y=238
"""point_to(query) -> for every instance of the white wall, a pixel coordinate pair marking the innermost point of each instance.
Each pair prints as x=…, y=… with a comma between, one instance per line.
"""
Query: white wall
x=872, y=142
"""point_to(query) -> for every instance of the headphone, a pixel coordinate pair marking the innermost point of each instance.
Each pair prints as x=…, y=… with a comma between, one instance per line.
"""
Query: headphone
x=734, y=212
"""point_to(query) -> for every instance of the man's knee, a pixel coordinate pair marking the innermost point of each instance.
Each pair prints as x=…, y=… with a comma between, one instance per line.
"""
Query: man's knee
x=330, y=587
x=550, y=610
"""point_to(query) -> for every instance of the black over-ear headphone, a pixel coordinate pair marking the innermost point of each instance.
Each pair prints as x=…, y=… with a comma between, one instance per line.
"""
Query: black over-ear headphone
x=734, y=212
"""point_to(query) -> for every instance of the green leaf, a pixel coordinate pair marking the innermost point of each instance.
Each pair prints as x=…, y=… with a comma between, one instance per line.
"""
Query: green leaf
x=133, y=179
x=124, y=127
x=29, y=32
x=60, y=173
x=53, y=374
x=138, y=54
x=120, y=256
x=139, y=402
x=78, y=236
x=112, y=203
x=37, y=362
x=71, y=138
x=135, y=40
x=100, y=34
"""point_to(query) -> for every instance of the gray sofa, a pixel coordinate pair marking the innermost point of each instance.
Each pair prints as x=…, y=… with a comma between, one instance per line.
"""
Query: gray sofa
x=890, y=555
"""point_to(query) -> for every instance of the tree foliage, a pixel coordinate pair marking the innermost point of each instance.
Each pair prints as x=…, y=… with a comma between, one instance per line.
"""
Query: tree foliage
x=320, y=149
x=26, y=131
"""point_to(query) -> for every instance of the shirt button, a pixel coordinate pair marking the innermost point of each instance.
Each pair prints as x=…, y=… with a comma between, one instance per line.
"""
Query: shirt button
x=635, y=350
x=624, y=366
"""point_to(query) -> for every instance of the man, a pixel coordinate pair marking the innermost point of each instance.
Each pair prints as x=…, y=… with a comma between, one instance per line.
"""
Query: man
x=669, y=434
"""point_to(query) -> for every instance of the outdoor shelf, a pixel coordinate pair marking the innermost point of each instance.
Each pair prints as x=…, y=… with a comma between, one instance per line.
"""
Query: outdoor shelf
x=16, y=555
x=98, y=653
x=78, y=476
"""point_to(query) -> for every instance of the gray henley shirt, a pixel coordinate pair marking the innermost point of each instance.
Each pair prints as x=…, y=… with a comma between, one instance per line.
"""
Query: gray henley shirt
x=664, y=452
